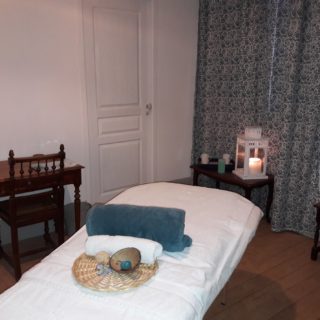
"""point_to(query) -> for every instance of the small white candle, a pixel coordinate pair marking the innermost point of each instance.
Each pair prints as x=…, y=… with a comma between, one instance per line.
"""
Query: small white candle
x=204, y=158
x=254, y=166
x=226, y=158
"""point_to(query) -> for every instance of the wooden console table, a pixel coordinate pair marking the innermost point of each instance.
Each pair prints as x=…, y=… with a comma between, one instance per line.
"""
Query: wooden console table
x=71, y=175
x=232, y=179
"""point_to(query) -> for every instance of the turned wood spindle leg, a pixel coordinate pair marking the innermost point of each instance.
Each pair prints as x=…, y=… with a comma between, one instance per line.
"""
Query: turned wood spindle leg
x=77, y=206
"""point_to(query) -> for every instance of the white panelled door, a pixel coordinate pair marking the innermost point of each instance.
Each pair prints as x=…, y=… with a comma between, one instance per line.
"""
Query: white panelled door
x=118, y=63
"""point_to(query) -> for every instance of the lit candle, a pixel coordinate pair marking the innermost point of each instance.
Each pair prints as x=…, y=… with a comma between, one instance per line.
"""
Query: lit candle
x=254, y=166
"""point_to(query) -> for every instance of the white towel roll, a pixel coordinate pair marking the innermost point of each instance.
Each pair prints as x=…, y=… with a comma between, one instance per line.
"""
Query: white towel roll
x=150, y=250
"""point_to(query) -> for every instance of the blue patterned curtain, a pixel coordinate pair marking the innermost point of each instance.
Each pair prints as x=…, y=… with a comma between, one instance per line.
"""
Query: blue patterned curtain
x=259, y=64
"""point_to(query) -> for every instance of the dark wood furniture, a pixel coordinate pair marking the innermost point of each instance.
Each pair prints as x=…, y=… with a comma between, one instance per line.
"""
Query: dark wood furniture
x=71, y=175
x=232, y=179
x=42, y=175
x=316, y=248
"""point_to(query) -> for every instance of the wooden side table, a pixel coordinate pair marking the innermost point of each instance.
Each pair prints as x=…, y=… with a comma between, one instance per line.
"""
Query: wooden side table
x=316, y=248
x=232, y=179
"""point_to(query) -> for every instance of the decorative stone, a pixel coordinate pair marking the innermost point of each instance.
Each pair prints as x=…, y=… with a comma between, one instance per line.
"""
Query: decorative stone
x=103, y=257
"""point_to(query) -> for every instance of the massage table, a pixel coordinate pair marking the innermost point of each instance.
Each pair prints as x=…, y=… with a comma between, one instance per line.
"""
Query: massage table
x=220, y=223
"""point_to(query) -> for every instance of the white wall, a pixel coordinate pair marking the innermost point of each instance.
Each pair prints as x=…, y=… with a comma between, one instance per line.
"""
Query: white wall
x=175, y=70
x=42, y=90
x=41, y=78
x=41, y=82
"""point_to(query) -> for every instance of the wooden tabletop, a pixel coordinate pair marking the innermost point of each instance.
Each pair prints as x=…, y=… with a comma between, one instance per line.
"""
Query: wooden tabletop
x=231, y=178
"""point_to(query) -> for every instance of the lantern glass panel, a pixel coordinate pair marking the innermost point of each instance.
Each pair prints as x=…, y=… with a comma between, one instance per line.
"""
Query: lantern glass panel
x=240, y=156
x=256, y=160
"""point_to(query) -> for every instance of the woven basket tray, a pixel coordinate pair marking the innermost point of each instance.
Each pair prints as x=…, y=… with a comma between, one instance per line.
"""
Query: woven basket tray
x=85, y=273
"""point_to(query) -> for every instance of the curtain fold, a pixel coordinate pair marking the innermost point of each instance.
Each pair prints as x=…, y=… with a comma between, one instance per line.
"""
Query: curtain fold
x=259, y=64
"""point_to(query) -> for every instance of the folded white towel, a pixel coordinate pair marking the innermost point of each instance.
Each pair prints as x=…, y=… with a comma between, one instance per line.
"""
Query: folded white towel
x=150, y=250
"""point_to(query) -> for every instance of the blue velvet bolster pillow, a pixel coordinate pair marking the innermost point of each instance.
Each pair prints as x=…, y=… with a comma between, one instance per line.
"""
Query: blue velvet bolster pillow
x=164, y=225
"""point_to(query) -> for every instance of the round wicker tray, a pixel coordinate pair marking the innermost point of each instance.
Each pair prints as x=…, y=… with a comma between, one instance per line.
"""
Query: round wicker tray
x=85, y=273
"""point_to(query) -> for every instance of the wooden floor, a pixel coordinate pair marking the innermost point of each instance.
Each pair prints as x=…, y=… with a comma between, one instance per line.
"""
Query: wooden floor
x=275, y=280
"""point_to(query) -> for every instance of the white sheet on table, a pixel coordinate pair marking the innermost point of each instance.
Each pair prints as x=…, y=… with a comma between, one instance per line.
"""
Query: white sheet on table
x=221, y=224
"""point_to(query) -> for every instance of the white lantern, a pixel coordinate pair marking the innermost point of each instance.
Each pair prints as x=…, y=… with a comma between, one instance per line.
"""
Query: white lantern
x=251, y=157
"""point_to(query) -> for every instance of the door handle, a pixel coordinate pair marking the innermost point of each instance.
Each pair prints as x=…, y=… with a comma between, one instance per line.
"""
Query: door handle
x=148, y=108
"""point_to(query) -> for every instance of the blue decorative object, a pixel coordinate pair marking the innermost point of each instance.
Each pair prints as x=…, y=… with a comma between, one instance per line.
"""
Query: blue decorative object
x=125, y=265
x=164, y=225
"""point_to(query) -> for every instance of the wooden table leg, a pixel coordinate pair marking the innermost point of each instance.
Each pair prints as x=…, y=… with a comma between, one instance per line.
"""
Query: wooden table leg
x=77, y=206
x=269, y=200
x=195, y=177
x=247, y=193
x=315, y=249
